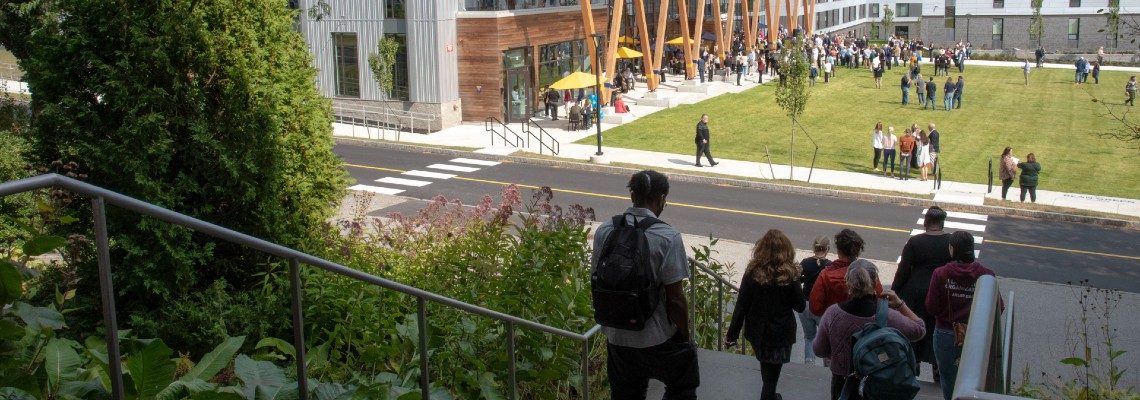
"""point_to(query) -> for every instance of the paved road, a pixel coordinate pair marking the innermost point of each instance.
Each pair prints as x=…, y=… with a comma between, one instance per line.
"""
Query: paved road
x=1045, y=251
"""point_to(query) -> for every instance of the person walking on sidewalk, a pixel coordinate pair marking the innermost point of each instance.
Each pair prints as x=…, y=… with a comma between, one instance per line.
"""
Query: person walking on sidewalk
x=1028, y=182
x=662, y=350
x=920, y=256
x=811, y=267
x=948, y=300
x=702, y=141
x=769, y=293
x=1007, y=170
x=889, y=142
x=1130, y=91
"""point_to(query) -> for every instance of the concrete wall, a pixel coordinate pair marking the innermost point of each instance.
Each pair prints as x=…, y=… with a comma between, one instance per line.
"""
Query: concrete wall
x=1016, y=33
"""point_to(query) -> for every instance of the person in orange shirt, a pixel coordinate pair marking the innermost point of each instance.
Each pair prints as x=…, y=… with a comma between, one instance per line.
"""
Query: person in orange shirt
x=831, y=287
x=906, y=151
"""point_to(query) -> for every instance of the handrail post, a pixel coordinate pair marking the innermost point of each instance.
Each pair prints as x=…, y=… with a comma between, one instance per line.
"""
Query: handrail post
x=425, y=390
x=514, y=391
x=719, y=315
x=586, y=368
x=107, y=291
x=299, y=328
x=990, y=173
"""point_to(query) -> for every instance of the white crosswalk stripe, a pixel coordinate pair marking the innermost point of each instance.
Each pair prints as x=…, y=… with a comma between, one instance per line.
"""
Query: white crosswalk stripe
x=913, y=232
x=473, y=161
x=405, y=182
x=961, y=225
x=429, y=174
x=376, y=189
x=963, y=215
x=456, y=168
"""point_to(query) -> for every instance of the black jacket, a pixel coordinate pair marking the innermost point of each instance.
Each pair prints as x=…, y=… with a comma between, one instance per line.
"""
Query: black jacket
x=931, y=88
x=765, y=313
x=702, y=133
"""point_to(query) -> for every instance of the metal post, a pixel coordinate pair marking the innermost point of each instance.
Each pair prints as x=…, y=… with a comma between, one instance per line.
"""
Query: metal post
x=598, y=89
x=813, y=155
x=769, y=156
x=792, y=151
x=514, y=392
x=425, y=391
x=990, y=185
x=586, y=369
x=107, y=292
x=719, y=315
x=299, y=329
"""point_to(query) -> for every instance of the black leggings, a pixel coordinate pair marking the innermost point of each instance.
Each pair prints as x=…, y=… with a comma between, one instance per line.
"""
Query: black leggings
x=875, y=162
x=1005, y=184
x=1032, y=193
x=770, y=375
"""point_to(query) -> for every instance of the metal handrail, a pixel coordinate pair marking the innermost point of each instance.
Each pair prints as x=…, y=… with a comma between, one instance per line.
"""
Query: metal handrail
x=985, y=366
x=100, y=196
x=385, y=116
x=721, y=283
x=489, y=125
x=542, y=133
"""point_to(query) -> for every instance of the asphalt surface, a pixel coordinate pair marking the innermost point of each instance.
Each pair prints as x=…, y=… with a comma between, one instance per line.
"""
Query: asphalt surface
x=1036, y=250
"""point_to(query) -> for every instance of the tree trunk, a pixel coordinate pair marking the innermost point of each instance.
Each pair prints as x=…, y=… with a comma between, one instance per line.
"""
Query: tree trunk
x=792, y=153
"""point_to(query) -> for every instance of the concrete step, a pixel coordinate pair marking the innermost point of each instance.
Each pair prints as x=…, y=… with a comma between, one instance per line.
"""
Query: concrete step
x=730, y=376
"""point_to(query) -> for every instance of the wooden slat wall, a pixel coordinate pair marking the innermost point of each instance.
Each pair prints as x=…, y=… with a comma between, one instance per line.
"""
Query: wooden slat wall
x=482, y=42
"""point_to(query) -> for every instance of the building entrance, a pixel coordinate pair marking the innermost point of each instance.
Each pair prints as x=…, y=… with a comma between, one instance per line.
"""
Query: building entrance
x=517, y=88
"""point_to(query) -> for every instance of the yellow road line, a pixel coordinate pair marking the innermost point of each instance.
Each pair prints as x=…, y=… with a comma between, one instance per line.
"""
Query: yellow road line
x=761, y=214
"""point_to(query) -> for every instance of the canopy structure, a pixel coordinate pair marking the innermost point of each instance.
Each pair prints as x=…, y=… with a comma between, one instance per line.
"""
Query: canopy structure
x=675, y=41
x=577, y=80
x=626, y=40
x=626, y=52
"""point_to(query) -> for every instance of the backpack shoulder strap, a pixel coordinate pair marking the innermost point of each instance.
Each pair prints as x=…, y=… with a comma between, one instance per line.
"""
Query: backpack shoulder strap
x=646, y=222
x=881, y=314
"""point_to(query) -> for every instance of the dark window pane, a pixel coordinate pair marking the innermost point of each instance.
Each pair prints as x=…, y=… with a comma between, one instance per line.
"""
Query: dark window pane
x=346, y=65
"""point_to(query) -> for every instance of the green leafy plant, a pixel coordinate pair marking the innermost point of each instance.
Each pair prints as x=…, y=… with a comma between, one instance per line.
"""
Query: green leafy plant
x=383, y=62
x=888, y=20
x=709, y=301
x=1036, y=22
x=792, y=93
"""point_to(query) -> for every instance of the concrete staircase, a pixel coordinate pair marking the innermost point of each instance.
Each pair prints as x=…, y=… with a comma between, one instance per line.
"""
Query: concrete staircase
x=728, y=376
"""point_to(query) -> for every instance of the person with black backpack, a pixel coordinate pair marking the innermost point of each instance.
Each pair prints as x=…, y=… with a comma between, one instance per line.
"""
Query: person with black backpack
x=888, y=373
x=638, y=264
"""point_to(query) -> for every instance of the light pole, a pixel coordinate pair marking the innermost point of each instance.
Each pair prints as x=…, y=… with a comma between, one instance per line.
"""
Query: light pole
x=597, y=38
x=968, y=27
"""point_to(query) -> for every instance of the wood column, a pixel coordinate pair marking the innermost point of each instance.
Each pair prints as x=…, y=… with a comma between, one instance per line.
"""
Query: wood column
x=646, y=51
x=745, y=25
x=698, y=27
x=755, y=20
x=687, y=41
x=659, y=50
x=611, y=46
x=809, y=17
x=588, y=29
x=730, y=25
x=773, y=23
x=718, y=29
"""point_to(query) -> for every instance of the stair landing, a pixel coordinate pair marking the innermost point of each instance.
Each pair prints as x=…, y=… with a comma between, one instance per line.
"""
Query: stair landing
x=731, y=376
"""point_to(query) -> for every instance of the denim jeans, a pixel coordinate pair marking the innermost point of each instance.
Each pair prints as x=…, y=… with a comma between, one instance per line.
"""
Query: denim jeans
x=947, y=356
x=948, y=101
x=906, y=96
x=889, y=159
x=811, y=326
x=921, y=99
x=904, y=166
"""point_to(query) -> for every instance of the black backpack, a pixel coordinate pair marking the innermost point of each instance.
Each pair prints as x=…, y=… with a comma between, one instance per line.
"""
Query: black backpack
x=624, y=285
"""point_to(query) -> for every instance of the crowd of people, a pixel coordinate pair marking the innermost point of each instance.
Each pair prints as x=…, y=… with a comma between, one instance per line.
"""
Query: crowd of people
x=928, y=302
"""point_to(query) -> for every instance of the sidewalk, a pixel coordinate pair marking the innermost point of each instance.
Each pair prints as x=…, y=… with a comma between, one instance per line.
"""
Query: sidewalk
x=475, y=136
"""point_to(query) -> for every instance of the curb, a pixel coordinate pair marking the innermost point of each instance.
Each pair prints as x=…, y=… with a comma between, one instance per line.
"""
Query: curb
x=775, y=187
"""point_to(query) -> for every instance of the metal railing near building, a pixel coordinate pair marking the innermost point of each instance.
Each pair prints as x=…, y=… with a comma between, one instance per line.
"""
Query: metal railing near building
x=545, y=139
x=497, y=127
x=985, y=367
x=385, y=120
x=10, y=72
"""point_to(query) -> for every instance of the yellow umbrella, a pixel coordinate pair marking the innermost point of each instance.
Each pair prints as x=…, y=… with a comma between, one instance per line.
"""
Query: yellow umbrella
x=576, y=80
x=626, y=40
x=676, y=40
x=626, y=52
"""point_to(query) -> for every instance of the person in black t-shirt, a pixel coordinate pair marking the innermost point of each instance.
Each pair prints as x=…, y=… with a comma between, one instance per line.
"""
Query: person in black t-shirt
x=921, y=255
x=811, y=267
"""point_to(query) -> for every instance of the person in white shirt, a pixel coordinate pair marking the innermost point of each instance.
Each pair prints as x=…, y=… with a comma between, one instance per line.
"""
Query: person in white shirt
x=890, y=141
x=877, y=144
x=827, y=69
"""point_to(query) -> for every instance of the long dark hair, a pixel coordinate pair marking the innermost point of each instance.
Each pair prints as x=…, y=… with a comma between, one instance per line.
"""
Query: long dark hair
x=1006, y=152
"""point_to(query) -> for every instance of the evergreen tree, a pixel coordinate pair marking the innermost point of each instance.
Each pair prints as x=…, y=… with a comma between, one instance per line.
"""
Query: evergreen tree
x=204, y=107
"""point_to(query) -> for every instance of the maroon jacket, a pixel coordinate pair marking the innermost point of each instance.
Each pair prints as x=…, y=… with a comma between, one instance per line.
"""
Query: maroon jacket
x=951, y=292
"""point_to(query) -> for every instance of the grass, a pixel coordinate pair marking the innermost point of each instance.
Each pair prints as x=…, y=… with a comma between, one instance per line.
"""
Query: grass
x=1051, y=117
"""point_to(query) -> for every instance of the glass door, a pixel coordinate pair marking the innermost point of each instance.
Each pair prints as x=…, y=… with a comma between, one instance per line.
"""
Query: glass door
x=518, y=88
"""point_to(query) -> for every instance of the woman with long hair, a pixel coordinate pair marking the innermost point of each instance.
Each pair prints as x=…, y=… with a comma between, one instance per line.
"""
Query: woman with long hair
x=769, y=293
x=1028, y=181
x=1007, y=170
x=924, y=160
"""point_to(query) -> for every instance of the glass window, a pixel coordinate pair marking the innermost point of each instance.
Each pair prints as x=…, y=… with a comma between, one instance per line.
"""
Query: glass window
x=400, y=73
x=999, y=28
x=1074, y=3
x=1074, y=28
x=874, y=7
x=556, y=60
x=902, y=9
x=346, y=65
x=999, y=3
x=394, y=9
x=951, y=18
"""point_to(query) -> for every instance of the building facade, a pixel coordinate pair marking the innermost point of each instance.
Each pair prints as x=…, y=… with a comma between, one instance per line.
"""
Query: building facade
x=458, y=60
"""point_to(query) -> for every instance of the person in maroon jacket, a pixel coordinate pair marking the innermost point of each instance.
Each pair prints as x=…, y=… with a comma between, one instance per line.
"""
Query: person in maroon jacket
x=831, y=286
x=948, y=300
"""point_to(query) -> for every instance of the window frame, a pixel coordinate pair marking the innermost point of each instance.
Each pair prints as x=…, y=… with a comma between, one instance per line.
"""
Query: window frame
x=997, y=30
x=340, y=60
x=1077, y=23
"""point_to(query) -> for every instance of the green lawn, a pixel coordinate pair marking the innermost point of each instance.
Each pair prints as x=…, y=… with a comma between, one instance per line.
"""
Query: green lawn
x=1051, y=117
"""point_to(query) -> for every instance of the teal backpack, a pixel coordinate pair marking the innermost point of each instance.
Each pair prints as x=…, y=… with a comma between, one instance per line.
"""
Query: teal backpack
x=883, y=361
